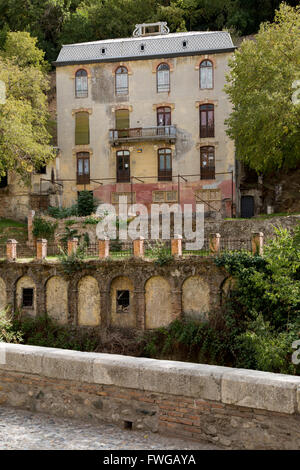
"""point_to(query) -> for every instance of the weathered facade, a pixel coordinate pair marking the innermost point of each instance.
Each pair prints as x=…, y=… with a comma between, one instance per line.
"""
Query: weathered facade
x=132, y=293
x=135, y=113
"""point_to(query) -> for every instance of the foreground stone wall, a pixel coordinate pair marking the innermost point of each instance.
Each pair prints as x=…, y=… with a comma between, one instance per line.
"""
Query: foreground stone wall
x=235, y=408
x=88, y=297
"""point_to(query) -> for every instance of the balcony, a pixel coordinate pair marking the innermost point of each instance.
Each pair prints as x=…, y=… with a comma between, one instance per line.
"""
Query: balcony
x=142, y=134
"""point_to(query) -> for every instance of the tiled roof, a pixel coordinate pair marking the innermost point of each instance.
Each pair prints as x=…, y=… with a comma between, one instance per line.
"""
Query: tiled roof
x=130, y=48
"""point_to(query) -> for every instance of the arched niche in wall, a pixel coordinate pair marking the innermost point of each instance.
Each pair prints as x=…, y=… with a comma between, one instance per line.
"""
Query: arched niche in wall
x=57, y=299
x=88, y=302
x=122, y=303
x=158, y=303
x=3, y=298
x=195, y=298
x=26, y=296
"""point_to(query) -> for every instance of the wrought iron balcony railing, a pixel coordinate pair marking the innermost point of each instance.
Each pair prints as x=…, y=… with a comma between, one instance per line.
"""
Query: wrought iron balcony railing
x=140, y=134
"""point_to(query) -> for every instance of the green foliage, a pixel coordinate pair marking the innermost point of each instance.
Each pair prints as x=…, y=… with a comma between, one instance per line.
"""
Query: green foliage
x=86, y=204
x=24, y=138
x=56, y=22
x=43, y=331
x=160, y=252
x=265, y=123
x=8, y=332
x=73, y=263
x=43, y=228
x=91, y=221
x=63, y=212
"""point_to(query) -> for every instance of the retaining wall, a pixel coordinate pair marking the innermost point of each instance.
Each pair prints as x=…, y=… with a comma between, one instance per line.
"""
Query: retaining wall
x=234, y=408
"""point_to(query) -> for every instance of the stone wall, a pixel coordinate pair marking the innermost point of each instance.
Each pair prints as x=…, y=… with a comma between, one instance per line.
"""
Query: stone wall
x=89, y=297
x=233, y=408
x=234, y=229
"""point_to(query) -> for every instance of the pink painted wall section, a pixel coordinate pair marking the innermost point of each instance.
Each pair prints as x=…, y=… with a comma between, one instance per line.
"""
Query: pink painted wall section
x=144, y=192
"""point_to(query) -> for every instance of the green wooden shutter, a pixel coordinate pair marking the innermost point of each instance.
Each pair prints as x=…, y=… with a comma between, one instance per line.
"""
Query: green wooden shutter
x=82, y=130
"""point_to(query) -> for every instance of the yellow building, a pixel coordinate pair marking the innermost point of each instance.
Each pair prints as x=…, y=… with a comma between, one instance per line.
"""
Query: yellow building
x=144, y=117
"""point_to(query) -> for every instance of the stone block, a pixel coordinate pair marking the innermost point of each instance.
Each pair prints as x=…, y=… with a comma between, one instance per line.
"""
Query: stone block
x=69, y=365
x=22, y=358
x=261, y=390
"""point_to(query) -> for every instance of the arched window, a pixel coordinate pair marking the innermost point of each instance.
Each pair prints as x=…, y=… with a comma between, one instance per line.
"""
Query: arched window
x=82, y=129
x=83, y=168
x=123, y=166
x=207, y=120
x=207, y=163
x=164, y=165
x=163, y=78
x=81, y=84
x=206, y=74
x=121, y=81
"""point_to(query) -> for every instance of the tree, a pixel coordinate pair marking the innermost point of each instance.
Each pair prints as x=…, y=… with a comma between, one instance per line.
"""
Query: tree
x=24, y=139
x=265, y=122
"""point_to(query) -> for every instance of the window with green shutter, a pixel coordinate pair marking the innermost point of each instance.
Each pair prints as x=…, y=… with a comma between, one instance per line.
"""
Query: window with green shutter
x=82, y=130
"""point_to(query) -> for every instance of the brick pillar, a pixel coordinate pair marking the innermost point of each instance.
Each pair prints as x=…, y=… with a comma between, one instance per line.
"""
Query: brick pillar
x=103, y=249
x=214, y=243
x=11, y=250
x=138, y=247
x=176, y=245
x=30, y=218
x=41, y=248
x=72, y=246
x=257, y=243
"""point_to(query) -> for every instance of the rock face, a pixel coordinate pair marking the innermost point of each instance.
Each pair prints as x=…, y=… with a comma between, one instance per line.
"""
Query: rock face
x=235, y=408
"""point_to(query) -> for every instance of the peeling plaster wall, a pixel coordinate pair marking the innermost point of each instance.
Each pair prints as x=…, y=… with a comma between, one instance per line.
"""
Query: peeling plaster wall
x=88, y=302
x=159, y=310
x=3, y=298
x=57, y=299
x=195, y=298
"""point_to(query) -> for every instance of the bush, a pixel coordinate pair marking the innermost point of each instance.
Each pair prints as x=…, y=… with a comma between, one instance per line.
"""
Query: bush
x=43, y=331
x=86, y=204
x=8, y=332
x=160, y=252
x=63, y=213
x=43, y=228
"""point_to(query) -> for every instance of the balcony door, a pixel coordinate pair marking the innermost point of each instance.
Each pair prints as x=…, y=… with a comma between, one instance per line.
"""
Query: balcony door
x=163, y=120
x=164, y=165
x=123, y=166
x=83, y=168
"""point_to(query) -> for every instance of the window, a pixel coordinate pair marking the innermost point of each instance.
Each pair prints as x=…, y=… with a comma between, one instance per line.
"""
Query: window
x=184, y=44
x=164, y=116
x=42, y=170
x=164, y=196
x=123, y=166
x=206, y=74
x=27, y=298
x=207, y=163
x=81, y=84
x=121, y=81
x=163, y=78
x=164, y=165
x=82, y=131
x=142, y=47
x=207, y=120
x=3, y=181
x=83, y=168
x=123, y=301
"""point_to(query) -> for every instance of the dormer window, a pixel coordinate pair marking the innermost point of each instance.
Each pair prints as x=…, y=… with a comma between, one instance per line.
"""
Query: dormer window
x=184, y=44
x=150, y=29
x=103, y=51
x=142, y=47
